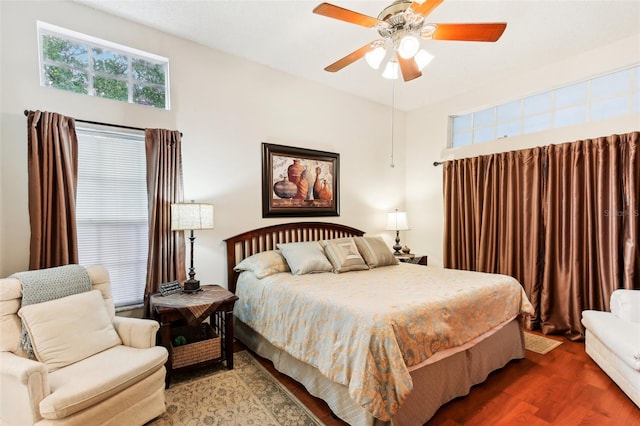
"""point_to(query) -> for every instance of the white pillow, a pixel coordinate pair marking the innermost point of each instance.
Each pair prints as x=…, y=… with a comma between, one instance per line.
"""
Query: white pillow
x=305, y=257
x=69, y=329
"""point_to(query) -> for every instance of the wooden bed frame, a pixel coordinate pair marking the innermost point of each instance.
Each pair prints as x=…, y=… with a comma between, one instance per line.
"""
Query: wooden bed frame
x=251, y=242
x=433, y=385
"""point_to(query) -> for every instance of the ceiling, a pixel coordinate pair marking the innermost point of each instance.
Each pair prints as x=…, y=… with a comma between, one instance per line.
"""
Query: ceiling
x=287, y=36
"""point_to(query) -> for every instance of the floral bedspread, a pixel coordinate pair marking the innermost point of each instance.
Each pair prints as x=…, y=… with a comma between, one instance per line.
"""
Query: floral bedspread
x=365, y=329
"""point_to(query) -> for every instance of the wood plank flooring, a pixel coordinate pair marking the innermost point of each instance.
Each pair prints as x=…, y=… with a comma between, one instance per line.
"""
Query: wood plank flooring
x=564, y=387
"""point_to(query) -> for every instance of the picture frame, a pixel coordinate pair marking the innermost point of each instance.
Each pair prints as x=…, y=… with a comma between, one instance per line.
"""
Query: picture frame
x=299, y=182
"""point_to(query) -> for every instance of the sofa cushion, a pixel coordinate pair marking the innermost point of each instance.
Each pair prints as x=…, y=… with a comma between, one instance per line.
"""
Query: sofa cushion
x=625, y=304
x=69, y=329
x=618, y=335
x=94, y=379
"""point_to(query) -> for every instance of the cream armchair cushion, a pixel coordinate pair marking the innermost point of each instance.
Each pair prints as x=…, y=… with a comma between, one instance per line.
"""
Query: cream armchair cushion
x=69, y=329
x=122, y=384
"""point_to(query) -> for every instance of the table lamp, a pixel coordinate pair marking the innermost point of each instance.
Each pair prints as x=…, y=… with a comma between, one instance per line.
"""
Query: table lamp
x=397, y=221
x=191, y=216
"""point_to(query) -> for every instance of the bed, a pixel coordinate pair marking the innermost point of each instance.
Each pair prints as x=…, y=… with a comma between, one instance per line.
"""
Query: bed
x=383, y=343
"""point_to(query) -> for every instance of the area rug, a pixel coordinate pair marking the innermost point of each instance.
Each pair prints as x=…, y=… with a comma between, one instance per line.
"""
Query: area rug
x=246, y=395
x=539, y=344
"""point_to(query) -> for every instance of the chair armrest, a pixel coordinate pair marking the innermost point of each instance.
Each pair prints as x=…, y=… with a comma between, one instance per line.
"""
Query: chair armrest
x=23, y=384
x=136, y=332
x=625, y=304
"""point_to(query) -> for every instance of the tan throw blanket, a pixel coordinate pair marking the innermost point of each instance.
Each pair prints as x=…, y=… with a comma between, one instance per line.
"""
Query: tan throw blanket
x=366, y=329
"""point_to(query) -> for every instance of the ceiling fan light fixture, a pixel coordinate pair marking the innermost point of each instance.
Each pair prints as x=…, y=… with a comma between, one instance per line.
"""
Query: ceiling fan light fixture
x=428, y=30
x=409, y=46
x=374, y=57
x=391, y=70
x=422, y=58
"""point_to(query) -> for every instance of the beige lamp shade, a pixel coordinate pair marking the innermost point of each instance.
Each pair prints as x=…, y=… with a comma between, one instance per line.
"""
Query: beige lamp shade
x=191, y=216
x=397, y=221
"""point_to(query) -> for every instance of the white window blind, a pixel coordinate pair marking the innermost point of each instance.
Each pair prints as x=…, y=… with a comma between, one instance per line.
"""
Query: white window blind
x=112, y=209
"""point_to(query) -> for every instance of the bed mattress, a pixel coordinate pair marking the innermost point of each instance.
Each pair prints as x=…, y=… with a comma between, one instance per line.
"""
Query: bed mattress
x=367, y=330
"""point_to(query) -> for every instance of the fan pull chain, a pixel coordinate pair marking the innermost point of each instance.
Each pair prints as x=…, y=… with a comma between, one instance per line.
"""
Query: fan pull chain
x=393, y=108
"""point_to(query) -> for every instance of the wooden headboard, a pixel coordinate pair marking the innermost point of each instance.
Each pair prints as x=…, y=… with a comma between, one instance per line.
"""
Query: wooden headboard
x=251, y=242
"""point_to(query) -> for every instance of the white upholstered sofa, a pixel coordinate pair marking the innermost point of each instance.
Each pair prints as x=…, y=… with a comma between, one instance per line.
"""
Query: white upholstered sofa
x=120, y=385
x=612, y=340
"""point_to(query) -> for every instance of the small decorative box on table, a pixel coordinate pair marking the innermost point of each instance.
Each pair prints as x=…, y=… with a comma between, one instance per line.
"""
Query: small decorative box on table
x=189, y=340
x=412, y=258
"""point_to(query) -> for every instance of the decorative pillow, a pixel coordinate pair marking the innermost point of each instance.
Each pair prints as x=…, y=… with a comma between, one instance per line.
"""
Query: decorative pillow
x=375, y=251
x=69, y=329
x=264, y=264
x=343, y=255
x=305, y=257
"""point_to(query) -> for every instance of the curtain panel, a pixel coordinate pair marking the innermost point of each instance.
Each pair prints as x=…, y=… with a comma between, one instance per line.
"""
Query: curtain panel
x=53, y=174
x=562, y=219
x=166, y=260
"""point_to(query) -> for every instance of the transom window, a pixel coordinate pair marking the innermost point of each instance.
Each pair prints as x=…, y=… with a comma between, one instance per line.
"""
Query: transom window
x=83, y=64
x=611, y=95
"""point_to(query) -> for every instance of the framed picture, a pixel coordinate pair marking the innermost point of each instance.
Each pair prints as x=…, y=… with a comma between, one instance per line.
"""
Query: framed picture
x=299, y=182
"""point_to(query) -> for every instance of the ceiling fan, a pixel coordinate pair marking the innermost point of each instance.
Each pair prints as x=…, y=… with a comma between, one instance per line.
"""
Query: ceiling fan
x=401, y=25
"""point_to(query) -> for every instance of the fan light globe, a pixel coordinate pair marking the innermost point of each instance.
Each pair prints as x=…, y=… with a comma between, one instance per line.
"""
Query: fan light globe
x=374, y=58
x=391, y=70
x=409, y=45
x=422, y=58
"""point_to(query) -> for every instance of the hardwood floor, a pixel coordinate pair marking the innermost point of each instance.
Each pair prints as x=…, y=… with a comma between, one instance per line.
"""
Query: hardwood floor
x=564, y=387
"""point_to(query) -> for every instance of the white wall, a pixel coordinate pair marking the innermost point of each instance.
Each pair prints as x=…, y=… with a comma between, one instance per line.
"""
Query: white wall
x=426, y=133
x=225, y=107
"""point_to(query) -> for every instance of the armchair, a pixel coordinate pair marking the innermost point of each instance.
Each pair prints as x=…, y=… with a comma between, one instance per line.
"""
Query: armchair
x=612, y=340
x=122, y=384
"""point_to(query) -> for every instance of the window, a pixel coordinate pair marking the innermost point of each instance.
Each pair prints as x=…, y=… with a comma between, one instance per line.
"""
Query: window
x=611, y=95
x=111, y=209
x=83, y=64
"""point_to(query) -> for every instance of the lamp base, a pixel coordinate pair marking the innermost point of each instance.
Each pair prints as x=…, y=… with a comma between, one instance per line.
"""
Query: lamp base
x=397, y=247
x=191, y=286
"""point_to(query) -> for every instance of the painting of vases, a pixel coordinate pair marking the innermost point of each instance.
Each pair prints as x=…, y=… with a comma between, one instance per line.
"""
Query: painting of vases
x=299, y=182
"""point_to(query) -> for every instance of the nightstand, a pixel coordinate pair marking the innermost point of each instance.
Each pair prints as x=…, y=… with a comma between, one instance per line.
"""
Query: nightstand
x=412, y=258
x=183, y=314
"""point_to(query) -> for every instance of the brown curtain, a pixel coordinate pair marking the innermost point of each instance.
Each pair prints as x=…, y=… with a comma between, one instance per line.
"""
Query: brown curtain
x=462, y=213
x=590, y=249
x=53, y=174
x=164, y=186
x=630, y=165
x=562, y=219
x=493, y=216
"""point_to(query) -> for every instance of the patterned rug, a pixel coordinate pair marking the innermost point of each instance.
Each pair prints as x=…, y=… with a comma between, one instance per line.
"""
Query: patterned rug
x=539, y=344
x=246, y=395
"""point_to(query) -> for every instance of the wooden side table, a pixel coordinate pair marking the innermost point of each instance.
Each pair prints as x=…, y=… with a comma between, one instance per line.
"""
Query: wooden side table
x=214, y=302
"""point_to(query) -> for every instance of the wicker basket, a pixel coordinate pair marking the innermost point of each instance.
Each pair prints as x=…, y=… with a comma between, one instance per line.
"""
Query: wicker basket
x=202, y=345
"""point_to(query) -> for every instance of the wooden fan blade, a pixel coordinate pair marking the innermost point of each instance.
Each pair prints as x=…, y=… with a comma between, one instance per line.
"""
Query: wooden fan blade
x=469, y=32
x=425, y=7
x=349, y=59
x=409, y=68
x=342, y=14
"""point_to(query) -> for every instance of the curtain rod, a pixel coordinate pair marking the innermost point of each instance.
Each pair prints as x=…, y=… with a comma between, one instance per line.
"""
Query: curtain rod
x=99, y=123
x=437, y=163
